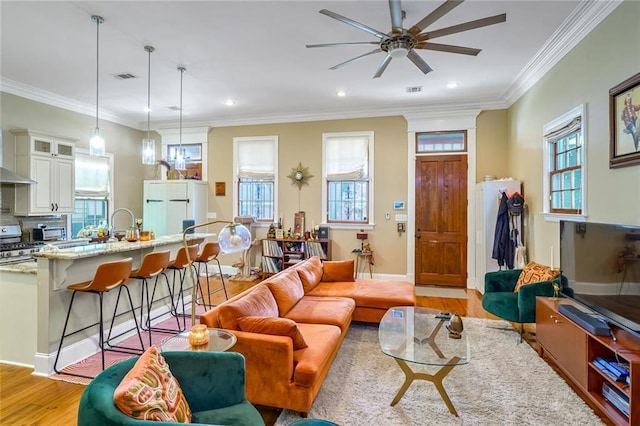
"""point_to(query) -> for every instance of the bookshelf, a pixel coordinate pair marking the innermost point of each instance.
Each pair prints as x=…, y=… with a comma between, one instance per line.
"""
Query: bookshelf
x=279, y=254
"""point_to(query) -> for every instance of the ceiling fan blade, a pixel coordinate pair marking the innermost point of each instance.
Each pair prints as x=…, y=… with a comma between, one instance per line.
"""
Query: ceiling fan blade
x=348, y=43
x=383, y=66
x=419, y=62
x=471, y=25
x=353, y=23
x=335, y=67
x=395, y=8
x=448, y=48
x=442, y=10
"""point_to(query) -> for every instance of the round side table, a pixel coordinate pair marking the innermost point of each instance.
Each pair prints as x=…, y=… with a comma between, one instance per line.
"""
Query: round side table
x=219, y=341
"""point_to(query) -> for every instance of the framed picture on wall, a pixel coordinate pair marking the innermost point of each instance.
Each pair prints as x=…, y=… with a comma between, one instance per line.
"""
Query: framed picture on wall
x=624, y=123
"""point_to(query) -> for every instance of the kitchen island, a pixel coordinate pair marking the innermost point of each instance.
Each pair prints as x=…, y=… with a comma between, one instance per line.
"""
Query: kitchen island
x=34, y=300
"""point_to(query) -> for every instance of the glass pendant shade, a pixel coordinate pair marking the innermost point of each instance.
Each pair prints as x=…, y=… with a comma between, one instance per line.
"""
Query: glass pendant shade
x=148, y=151
x=96, y=142
x=180, y=161
x=234, y=238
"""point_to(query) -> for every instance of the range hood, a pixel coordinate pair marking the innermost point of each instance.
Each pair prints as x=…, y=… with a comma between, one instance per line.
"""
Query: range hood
x=7, y=176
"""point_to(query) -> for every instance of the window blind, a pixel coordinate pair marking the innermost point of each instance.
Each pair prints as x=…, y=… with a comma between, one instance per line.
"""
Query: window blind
x=92, y=176
x=347, y=158
x=256, y=159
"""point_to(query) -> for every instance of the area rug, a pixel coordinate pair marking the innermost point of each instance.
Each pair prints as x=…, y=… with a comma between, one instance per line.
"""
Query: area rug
x=505, y=383
x=450, y=293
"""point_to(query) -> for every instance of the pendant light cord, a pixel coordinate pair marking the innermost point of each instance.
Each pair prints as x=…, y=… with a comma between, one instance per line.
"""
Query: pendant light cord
x=98, y=20
x=149, y=49
x=182, y=70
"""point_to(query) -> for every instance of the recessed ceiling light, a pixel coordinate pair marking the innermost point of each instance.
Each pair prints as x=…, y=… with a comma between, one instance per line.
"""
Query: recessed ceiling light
x=145, y=109
x=341, y=93
x=452, y=85
x=229, y=102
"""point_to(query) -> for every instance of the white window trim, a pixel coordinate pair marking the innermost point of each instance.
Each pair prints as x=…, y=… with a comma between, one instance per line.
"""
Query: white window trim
x=325, y=213
x=563, y=120
x=110, y=205
x=237, y=140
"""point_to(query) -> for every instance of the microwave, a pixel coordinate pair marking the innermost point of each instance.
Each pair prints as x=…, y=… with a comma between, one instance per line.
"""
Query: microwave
x=50, y=233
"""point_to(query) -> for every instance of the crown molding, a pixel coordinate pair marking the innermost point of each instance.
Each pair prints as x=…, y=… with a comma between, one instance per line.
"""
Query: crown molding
x=50, y=98
x=587, y=15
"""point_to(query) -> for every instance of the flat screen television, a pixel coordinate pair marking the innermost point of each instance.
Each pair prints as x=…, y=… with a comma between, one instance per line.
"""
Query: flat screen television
x=602, y=265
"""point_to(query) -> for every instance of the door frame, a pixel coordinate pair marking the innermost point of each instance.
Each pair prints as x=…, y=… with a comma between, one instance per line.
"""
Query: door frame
x=437, y=121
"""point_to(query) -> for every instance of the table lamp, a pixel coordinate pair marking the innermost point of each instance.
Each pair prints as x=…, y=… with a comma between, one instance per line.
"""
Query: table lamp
x=233, y=238
x=362, y=236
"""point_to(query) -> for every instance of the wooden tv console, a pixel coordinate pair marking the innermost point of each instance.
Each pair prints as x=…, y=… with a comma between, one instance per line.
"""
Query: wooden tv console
x=573, y=350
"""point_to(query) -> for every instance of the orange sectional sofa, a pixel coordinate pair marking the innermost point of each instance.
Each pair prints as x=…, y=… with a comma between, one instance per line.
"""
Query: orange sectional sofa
x=290, y=326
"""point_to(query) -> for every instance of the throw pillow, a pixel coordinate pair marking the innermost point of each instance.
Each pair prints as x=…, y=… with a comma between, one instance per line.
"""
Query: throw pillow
x=337, y=270
x=259, y=301
x=274, y=326
x=535, y=273
x=150, y=392
x=310, y=273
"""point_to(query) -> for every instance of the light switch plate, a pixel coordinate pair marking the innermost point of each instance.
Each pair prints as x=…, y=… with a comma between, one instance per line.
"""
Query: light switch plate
x=212, y=215
x=402, y=218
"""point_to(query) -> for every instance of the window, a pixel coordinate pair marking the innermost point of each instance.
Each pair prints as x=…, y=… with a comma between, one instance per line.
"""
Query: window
x=348, y=188
x=433, y=142
x=565, y=171
x=255, y=165
x=92, y=191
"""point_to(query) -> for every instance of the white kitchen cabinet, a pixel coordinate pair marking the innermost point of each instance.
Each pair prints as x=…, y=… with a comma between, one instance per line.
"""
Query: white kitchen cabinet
x=50, y=161
x=168, y=202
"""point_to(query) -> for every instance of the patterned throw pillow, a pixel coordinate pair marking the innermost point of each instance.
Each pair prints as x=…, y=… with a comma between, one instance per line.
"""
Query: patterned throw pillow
x=150, y=392
x=535, y=273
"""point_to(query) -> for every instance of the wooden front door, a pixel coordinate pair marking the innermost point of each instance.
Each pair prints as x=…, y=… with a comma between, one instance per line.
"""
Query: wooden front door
x=441, y=220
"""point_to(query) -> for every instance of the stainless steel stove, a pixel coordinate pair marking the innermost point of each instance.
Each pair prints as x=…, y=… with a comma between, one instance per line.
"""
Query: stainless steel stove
x=12, y=250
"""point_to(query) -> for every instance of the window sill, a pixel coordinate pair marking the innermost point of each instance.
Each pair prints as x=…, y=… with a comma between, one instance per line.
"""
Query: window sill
x=557, y=217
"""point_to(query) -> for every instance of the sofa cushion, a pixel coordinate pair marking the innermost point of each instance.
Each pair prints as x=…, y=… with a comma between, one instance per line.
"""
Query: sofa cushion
x=259, y=302
x=535, y=273
x=150, y=392
x=274, y=326
x=310, y=273
x=323, y=310
x=370, y=293
x=313, y=361
x=287, y=289
x=338, y=270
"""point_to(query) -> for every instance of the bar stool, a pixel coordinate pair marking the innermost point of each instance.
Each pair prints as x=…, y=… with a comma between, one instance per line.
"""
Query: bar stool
x=179, y=266
x=108, y=276
x=210, y=252
x=153, y=266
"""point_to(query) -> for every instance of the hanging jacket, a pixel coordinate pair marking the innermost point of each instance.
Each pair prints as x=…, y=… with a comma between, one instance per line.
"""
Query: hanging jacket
x=502, y=243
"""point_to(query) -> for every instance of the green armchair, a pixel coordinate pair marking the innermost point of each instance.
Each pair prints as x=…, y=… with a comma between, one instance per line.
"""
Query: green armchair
x=213, y=384
x=500, y=300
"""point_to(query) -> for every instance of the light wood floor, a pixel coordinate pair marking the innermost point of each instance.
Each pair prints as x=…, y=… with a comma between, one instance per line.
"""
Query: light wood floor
x=31, y=400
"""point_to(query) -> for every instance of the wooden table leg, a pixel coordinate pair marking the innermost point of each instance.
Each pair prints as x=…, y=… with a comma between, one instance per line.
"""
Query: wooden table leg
x=436, y=379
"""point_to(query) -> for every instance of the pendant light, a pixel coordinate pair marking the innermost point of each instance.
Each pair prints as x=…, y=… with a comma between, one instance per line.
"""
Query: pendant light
x=96, y=141
x=180, y=161
x=148, y=144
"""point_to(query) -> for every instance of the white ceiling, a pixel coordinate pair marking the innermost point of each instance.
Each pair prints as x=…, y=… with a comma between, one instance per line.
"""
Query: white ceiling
x=254, y=53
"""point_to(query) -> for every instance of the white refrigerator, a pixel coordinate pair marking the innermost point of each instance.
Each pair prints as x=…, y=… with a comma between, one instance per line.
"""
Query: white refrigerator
x=488, y=195
x=168, y=202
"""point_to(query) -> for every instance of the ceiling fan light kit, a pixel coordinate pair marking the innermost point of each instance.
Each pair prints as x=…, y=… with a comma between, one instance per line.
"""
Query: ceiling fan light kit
x=401, y=42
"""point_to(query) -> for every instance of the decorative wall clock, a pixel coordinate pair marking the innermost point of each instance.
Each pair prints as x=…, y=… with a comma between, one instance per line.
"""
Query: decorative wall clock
x=300, y=175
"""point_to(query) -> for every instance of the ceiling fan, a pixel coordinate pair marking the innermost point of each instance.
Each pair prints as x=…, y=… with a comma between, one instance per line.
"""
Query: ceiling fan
x=401, y=42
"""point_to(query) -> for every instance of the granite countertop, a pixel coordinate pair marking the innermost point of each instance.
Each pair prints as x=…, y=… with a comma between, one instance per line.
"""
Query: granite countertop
x=21, y=268
x=91, y=250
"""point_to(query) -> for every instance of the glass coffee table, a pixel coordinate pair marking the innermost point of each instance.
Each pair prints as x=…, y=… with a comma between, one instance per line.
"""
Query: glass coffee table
x=415, y=335
x=219, y=341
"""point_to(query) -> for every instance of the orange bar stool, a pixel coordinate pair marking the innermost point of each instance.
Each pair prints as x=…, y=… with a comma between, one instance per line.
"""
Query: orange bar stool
x=153, y=266
x=179, y=267
x=108, y=276
x=209, y=253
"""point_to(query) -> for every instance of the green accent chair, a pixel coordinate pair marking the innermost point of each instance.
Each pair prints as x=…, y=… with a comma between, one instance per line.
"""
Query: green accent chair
x=500, y=300
x=213, y=384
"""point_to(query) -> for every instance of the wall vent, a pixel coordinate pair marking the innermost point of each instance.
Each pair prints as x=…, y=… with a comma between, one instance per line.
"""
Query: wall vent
x=414, y=89
x=124, y=76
